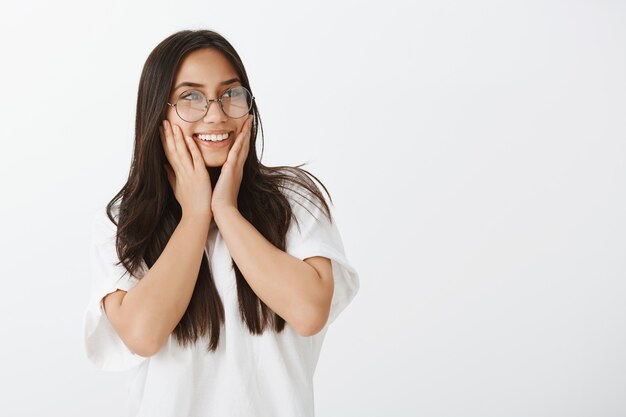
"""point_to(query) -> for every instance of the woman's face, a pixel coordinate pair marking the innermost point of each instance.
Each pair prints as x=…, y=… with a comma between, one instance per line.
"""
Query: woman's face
x=214, y=74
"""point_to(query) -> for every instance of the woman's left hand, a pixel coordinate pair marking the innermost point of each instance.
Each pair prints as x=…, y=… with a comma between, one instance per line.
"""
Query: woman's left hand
x=227, y=187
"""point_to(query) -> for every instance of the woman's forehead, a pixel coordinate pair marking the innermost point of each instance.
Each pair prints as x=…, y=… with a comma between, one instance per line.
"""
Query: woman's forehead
x=208, y=67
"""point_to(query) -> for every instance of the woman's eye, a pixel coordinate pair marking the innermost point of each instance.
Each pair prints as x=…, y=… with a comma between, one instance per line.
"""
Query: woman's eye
x=233, y=92
x=194, y=96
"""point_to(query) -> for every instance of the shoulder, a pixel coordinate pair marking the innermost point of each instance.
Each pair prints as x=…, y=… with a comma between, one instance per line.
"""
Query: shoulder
x=103, y=227
x=305, y=197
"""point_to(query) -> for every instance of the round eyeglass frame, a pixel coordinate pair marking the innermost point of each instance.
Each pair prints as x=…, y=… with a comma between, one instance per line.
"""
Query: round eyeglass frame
x=209, y=101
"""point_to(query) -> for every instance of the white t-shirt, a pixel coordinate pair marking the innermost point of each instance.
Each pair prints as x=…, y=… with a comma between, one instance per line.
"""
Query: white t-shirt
x=249, y=375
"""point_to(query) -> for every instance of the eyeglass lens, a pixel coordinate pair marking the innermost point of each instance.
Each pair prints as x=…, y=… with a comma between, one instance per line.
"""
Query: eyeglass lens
x=192, y=105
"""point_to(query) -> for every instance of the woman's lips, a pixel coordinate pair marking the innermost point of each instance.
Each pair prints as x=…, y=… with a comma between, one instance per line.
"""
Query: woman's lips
x=211, y=144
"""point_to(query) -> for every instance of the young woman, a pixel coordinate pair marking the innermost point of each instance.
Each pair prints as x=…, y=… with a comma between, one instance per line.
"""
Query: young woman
x=214, y=277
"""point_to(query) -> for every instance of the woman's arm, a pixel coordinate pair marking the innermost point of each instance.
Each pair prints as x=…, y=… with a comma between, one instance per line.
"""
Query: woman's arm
x=298, y=291
x=150, y=311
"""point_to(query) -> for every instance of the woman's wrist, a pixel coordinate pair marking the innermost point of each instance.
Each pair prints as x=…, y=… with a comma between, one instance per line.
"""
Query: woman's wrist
x=198, y=219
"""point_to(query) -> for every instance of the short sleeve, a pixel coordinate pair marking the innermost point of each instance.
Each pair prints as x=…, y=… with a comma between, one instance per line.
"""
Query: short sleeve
x=316, y=235
x=103, y=346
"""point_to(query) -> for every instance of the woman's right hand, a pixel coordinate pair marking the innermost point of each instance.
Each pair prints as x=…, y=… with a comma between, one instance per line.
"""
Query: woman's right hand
x=186, y=172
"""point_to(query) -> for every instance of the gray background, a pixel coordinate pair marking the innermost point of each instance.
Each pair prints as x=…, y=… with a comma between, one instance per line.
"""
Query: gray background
x=474, y=150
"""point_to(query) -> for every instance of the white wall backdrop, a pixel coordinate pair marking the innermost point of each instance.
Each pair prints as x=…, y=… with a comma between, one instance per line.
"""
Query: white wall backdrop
x=475, y=152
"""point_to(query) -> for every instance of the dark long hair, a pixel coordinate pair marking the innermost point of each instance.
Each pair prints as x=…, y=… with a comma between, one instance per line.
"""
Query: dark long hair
x=149, y=212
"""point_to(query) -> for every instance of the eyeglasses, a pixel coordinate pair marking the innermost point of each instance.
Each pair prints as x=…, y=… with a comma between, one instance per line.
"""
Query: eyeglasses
x=192, y=105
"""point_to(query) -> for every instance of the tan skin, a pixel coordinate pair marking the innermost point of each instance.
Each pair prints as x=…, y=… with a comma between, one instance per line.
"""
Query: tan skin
x=194, y=168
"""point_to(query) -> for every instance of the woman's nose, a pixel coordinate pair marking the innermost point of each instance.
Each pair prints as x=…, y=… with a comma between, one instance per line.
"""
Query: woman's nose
x=214, y=112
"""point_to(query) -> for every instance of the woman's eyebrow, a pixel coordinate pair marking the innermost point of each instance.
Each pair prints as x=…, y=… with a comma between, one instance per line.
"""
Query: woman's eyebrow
x=191, y=84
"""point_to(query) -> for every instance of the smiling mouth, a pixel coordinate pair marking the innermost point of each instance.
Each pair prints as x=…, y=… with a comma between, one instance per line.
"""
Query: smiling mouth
x=212, y=138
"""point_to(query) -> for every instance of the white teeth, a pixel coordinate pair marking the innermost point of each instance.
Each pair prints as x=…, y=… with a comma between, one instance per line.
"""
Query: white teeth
x=213, y=138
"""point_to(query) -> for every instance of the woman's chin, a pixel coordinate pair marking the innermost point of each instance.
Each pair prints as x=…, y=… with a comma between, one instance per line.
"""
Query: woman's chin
x=213, y=161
